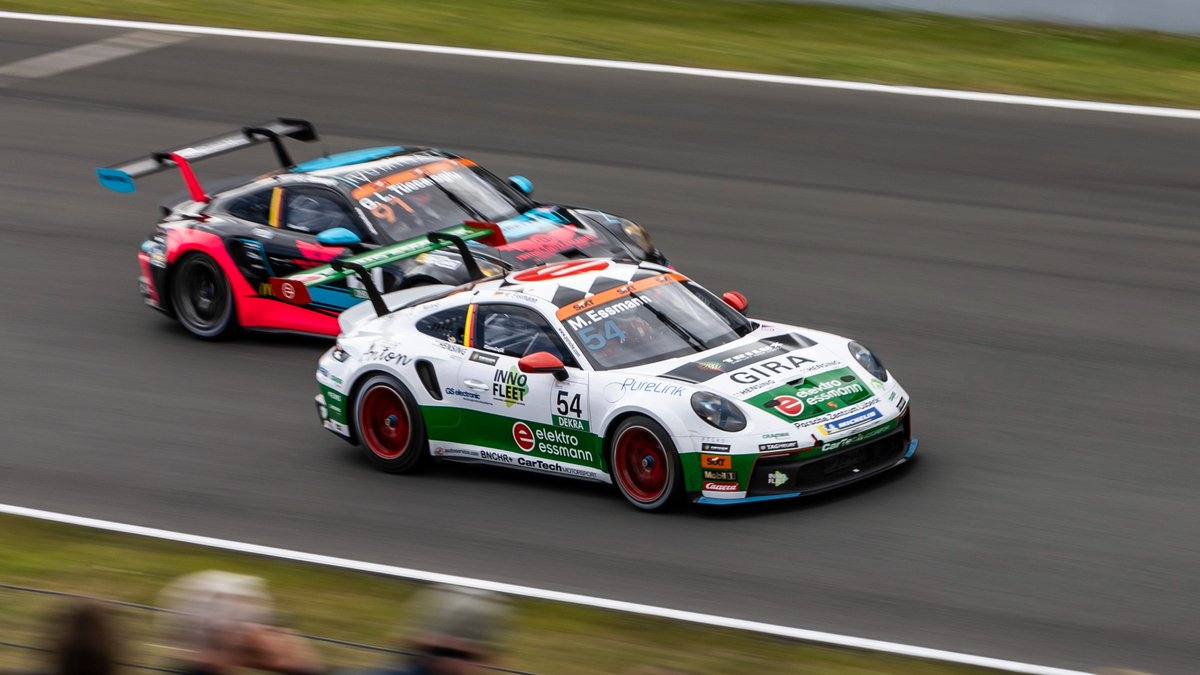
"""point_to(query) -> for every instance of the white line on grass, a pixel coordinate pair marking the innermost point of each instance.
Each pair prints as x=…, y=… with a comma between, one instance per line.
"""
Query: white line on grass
x=981, y=97
x=542, y=594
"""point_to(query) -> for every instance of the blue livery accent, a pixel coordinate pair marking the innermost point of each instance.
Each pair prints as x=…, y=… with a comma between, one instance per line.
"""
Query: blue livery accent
x=912, y=449
x=117, y=181
x=853, y=420
x=338, y=236
x=521, y=183
x=337, y=298
x=745, y=500
x=347, y=158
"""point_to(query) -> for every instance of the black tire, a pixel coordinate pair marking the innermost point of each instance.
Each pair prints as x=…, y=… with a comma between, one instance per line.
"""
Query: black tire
x=202, y=299
x=644, y=464
x=389, y=425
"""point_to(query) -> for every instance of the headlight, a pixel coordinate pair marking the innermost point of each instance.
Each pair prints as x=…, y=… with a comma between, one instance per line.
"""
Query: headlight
x=718, y=412
x=637, y=234
x=868, y=360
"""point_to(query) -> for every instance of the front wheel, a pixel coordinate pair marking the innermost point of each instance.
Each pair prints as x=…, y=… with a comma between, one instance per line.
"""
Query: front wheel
x=645, y=465
x=390, y=425
x=202, y=298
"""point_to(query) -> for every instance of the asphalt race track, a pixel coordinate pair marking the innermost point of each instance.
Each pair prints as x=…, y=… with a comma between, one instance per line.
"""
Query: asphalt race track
x=1031, y=275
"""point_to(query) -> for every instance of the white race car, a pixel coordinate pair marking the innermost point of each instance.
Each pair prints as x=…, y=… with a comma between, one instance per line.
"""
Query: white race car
x=614, y=372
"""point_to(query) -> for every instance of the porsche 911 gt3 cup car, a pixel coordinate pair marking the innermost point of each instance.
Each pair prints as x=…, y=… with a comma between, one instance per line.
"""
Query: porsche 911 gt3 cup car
x=210, y=259
x=619, y=373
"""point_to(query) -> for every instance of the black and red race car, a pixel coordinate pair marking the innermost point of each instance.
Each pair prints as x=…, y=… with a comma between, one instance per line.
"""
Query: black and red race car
x=210, y=260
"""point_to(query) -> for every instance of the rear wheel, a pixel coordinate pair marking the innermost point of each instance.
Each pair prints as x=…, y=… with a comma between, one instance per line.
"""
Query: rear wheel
x=390, y=425
x=202, y=298
x=645, y=465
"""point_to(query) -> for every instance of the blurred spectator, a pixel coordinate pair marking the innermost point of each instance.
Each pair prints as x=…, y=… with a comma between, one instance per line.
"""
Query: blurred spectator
x=220, y=622
x=455, y=631
x=86, y=641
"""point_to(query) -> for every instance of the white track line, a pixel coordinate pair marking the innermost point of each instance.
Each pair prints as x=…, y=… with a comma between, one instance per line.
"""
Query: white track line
x=73, y=58
x=541, y=594
x=980, y=97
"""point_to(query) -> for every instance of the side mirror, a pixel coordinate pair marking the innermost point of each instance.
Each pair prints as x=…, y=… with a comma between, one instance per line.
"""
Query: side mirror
x=521, y=183
x=543, y=362
x=736, y=300
x=338, y=236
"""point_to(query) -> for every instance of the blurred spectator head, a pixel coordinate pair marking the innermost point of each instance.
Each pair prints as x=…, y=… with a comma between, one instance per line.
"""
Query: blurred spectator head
x=221, y=622
x=206, y=608
x=455, y=629
x=86, y=641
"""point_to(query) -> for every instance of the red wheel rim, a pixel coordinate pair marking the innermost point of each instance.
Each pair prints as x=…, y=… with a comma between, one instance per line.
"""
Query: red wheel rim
x=383, y=418
x=640, y=463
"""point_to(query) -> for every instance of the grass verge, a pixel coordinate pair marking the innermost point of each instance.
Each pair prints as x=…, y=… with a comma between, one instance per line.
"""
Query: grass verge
x=773, y=37
x=545, y=638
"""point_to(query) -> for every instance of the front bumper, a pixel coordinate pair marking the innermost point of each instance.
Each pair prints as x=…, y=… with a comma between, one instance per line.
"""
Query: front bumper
x=790, y=475
x=335, y=420
x=821, y=479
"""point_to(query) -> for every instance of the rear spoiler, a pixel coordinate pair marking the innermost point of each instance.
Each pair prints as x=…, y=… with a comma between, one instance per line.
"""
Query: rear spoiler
x=298, y=288
x=119, y=177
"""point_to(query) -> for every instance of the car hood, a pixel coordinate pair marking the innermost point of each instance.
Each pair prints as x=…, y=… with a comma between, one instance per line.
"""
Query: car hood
x=789, y=373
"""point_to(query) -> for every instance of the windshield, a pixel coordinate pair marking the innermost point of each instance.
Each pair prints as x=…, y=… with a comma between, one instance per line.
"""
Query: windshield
x=651, y=319
x=436, y=195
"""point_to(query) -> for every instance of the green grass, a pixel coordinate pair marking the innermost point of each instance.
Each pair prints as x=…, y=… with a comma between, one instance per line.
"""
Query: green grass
x=779, y=37
x=545, y=637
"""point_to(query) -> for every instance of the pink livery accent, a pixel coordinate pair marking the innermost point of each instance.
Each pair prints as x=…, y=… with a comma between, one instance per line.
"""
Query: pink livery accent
x=317, y=252
x=253, y=311
x=146, y=280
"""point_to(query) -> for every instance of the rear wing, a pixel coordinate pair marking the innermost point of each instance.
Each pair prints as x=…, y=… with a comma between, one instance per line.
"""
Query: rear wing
x=120, y=177
x=300, y=288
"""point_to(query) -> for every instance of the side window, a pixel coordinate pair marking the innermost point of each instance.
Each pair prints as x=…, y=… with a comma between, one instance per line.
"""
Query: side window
x=517, y=331
x=313, y=210
x=254, y=207
x=445, y=325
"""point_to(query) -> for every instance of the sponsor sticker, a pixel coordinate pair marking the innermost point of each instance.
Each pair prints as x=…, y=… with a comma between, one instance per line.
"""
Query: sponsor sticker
x=498, y=457
x=734, y=359
x=854, y=420
x=777, y=479
x=385, y=352
x=510, y=386
x=714, y=447
x=859, y=437
x=523, y=436
x=661, y=388
x=716, y=462
x=721, y=487
x=570, y=423
x=453, y=348
x=788, y=405
x=484, y=358
x=720, y=475
x=813, y=396
x=782, y=445
x=466, y=395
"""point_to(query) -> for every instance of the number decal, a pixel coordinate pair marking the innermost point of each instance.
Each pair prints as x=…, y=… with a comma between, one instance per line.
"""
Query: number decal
x=569, y=404
x=593, y=339
x=613, y=332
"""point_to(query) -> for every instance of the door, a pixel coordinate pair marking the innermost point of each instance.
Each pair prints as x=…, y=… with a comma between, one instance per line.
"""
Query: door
x=529, y=420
